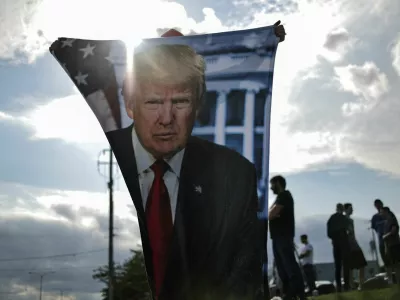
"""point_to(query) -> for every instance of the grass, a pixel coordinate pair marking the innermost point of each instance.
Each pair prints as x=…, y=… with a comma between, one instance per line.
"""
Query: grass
x=392, y=293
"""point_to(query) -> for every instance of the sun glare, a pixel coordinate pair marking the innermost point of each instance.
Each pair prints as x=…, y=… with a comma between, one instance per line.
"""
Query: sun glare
x=130, y=44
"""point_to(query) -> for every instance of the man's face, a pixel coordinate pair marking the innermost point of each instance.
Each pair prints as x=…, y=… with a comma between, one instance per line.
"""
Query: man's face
x=303, y=240
x=163, y=118
x=378, y=206
x=274, y=187
x=349, y=210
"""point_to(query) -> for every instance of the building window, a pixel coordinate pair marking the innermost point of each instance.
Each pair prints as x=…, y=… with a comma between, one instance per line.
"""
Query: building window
x=206, y=116
x=258, y=154
x=259, y=108
x=235, y=142
x=235, y=108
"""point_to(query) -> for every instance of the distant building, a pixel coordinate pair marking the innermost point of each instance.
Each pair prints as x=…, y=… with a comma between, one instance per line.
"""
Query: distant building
x=238, y=101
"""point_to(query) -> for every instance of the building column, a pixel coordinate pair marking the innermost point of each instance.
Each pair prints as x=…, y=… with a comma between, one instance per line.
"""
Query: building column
x=248, y=139
x=220, y=117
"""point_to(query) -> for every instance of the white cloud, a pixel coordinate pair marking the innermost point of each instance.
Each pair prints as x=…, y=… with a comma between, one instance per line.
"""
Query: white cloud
x=370, y=138
x=396, y=55
x=336, y=39
x=68, y=118
x=16, y=33
x=4, y=116
x=38, y=202
x=367, y=82
x=337, y=44
x=295, y=152
x=27, y=29
x=307, y=29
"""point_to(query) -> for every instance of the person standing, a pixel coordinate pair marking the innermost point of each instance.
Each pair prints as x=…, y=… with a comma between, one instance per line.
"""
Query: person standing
x=392, y=244
x=337, y=232
x=378, y=225
x=306, y=257
x=277, y=280
x=282, y=230
x=357, y=258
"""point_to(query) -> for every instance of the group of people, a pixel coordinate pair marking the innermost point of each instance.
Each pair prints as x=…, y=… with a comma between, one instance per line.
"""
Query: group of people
x=347, y=253
x=297, y=274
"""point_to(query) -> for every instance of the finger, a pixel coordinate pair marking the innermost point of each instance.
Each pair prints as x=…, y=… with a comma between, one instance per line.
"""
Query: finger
x=277, y=23
x=281, y=31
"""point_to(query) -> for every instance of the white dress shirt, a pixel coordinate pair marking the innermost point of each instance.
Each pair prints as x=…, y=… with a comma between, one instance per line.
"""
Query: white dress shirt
x=144, y=160
x=310, y=258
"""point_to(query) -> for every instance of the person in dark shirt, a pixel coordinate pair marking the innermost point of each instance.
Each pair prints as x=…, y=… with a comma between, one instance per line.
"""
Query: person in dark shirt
x=378, y=225
x=282, y=231
x=337, y=226
x=357, y=259
x=392, y=243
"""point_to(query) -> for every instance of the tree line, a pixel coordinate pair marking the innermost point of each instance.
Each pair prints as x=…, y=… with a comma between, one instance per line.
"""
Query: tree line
x=130, y=281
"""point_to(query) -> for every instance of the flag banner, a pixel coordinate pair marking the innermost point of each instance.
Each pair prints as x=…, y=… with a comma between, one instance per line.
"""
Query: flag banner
x=188, y=120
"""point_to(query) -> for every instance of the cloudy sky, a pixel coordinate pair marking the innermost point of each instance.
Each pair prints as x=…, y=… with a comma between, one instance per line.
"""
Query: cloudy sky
x=333, y=131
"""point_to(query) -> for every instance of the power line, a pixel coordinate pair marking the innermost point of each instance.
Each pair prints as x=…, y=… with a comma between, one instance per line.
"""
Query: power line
x=50, y=256
x=49, y=269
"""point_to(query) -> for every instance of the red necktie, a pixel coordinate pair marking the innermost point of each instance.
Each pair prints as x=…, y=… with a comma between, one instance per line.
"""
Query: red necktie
x=159, y=222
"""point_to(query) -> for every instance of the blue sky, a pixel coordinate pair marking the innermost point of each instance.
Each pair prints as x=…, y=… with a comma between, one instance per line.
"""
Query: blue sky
x=333, y=132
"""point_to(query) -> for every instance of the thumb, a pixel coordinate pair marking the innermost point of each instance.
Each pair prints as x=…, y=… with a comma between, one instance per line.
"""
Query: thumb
x=277, y=23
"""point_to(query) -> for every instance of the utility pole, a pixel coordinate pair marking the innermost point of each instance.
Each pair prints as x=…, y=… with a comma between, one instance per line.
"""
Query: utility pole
x=61, y=292
x=110, y=165
x=41, y=281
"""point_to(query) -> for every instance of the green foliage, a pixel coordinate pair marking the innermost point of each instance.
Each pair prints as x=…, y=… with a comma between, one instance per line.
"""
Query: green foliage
x=130, y=279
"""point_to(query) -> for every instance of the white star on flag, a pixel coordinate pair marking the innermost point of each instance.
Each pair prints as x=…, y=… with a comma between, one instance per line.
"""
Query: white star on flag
x=67, y=42
x=110, y=58
x=88, y=50
x=81, y=78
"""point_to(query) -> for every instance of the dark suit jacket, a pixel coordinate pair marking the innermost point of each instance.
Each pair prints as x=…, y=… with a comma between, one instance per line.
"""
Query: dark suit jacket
x=337, y=227
x=218, y=241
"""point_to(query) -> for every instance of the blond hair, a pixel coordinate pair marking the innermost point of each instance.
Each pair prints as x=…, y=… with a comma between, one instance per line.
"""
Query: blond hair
x=171, y=65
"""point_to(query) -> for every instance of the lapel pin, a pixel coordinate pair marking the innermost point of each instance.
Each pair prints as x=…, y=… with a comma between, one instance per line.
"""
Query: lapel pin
x=198, y=189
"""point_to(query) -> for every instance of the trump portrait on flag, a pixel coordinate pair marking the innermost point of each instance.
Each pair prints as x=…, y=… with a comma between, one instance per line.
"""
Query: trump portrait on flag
x=196, y=200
